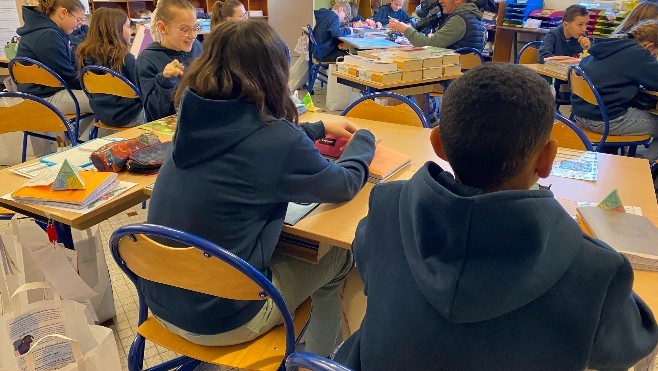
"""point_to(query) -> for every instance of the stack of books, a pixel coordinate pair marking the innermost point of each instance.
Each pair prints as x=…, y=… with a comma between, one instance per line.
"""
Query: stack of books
x=386, y=163
x=632, y=235
x=560, y=64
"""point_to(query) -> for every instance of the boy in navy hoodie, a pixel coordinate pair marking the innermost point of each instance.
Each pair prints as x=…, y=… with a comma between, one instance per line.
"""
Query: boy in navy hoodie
x=570, y=37
x=327, y=31
x=476, y=271
x=393, y=10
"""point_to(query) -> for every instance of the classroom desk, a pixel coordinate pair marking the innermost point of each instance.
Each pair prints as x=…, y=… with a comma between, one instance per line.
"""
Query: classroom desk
x=539, y=68
x=364, y=43
x=9, y=182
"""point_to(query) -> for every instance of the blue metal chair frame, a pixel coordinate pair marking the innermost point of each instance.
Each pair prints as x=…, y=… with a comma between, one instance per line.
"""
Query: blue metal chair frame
x=532, y=44
x=312, y=362
x=63, y=83
x=315, y=69
x=471, y=50
x=606, y=131
x=93, y=133
x=136, y=354
x=577, y=130
x=388, y=94
x=69, y=130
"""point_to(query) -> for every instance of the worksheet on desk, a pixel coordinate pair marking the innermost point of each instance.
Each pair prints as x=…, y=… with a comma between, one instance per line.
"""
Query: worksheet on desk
x=576, y=164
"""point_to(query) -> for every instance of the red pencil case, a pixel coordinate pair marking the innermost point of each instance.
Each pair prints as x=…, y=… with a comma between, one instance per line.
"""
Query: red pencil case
x=330, y=146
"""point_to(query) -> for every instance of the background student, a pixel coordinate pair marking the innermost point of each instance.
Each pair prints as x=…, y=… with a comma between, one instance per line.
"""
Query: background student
x=227, y=10
x=108, y=45
x=395, y=10
x=477, y=272
x=327, y=30
x=460, y=27
x=617, y=66
x=238, y=158
x=161, y=64
x=643, y=10
x=569, y=38
x=45, y=38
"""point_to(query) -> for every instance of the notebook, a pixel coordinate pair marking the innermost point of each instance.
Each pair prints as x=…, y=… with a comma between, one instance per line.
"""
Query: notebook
x=386, y=163
x=632, y=235
x=97, y=184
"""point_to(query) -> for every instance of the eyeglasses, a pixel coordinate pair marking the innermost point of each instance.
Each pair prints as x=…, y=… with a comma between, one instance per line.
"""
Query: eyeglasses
x=80, y=20
x=186, y=31
x=244, y=16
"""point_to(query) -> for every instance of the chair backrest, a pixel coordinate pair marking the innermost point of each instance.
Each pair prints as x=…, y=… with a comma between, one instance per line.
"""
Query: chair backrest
x=469, y=58
x=583, y=87
x=407, y=113
x=28, y=71
x=312, y=362
x=529, y=54
x=33, y=114
x=196, y=268
x=569, y=135
x=102, y=80
x=312, y=44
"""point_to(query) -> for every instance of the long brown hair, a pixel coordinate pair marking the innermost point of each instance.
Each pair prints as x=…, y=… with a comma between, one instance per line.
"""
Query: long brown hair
x=643, y=10
x=50, y=6
x=223, y=9
x=162, y=12
x=246, y=60
x=646, y=30
x=105, y=43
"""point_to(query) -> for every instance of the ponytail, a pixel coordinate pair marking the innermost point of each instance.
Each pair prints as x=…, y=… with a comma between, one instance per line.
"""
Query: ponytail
x=223, y=9
x=50, y=6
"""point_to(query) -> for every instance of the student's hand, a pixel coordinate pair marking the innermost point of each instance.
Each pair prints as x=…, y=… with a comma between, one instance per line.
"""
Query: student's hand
x=378, y=25
x=377, y=140
x=173, y=69
x=339, y=127
x=396, y=25
x=585, y=43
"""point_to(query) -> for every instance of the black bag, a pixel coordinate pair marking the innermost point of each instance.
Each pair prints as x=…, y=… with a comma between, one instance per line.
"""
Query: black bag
x=148, y=160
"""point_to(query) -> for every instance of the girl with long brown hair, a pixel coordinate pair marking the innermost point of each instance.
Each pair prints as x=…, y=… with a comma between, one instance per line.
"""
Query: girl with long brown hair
x=643, y=10
x=238, y=158
x=107, y=44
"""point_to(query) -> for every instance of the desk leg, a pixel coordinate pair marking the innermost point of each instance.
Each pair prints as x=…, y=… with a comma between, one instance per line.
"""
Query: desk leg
x=515, y=46
x=428, y=104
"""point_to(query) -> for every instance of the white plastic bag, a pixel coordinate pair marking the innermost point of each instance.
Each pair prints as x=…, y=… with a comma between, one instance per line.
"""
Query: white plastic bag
x=302, y=47
x=298, y=74
x=93, y=347
x=339, y=96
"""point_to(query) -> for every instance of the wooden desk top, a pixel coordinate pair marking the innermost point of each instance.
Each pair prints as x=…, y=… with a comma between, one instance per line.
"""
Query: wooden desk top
x=10, y=182
x=539, y=68
x=396, y=85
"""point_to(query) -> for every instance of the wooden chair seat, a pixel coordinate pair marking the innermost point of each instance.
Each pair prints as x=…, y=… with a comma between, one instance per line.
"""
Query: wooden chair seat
x=4, y=211
x=263, y=353
x=596, y=137
x=100, y=125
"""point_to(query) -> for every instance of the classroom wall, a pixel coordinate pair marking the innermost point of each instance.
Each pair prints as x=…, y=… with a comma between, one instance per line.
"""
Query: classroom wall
x=281, y=14
x=322, y=4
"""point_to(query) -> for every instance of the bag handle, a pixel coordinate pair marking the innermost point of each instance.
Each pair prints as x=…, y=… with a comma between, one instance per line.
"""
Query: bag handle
x=75, y=347
x=15, y=304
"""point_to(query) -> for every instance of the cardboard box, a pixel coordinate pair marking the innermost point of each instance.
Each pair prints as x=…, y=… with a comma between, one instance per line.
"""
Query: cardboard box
x=451, y=70
x=412, y=75
x=380, y=77
x=432, y=73
x=433, y=62
x=450, y=58
x=408, y=64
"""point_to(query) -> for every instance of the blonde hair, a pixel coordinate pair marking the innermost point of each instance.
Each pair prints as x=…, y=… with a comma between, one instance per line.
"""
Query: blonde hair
x=345, y=6
x=645, y=31
x=162, y=13
x=223, y=9
x=643, y=10
x=50, y=6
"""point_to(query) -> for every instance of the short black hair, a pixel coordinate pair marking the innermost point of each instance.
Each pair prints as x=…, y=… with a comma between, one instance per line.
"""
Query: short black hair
x=493, y=119
x=574, y=11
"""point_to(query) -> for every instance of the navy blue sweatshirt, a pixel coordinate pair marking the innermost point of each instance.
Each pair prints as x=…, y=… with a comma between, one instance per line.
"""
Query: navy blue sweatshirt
x=617, y=68
x=386, y=11
x=158, y=91
x=458, y=279
x=43, y=41
x=327, y=31
x=555, y=43
x=229, y=179
x=110, y=109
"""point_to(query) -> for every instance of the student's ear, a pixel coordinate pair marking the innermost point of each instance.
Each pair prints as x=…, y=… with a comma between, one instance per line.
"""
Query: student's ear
x=62, y=12
x=546, y=158
x=435, y=139
x=160, y=25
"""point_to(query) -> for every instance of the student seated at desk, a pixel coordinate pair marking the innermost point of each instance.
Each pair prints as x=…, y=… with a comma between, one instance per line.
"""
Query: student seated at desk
x=394, y=10
x=569, y=38
x=108, y=45
x=238, y=158
x=460, y=28
x=227, y=10
x=162, y=63
x=617, y=67
x=475, y=271
x=327, y=30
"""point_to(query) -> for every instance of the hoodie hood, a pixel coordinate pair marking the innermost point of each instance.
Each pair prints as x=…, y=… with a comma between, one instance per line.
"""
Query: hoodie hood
x=322, y=14
x=604, y=48
x=201, y=121
x=36, y=20
x=473, y=270
x=470, y=8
